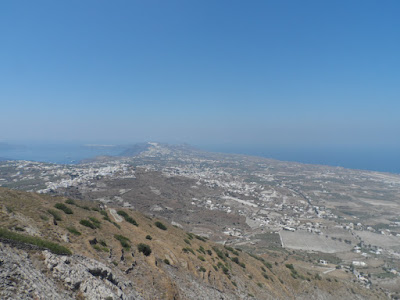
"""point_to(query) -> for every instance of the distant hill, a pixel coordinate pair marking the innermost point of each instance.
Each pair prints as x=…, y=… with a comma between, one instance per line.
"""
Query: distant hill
x=135, y=149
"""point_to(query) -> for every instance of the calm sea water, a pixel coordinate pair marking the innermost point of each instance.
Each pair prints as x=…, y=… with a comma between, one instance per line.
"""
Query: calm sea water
x=58, y=153
x=377, y=159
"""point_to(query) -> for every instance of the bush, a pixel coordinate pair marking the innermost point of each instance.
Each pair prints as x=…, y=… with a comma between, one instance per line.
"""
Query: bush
x=73, y=230
x=125, y=242
x=209, y=252
x=235, y=260
x=166, y=261
x=105, y=216
x=187, y=250
x=87, y=223
x=53, y=247
x=99, y=248
x=127, y=217
x=201, y=238
x=289, y=266
x=70, y=201
x=201, y=258
x=187, y=241
x=202, y=269
x=267, y=264
x=55, y=214
x=64, y=208
x=95, y=221
x=116, y=225
x=144, y=248
x=219, y=253
x=160, y=225
x=148, y=237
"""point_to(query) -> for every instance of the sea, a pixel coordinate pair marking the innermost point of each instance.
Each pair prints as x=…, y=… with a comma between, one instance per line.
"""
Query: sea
x=372, y=158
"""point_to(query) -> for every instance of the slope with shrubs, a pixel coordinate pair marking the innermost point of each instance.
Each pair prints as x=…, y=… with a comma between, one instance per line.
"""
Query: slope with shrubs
x=163, y=261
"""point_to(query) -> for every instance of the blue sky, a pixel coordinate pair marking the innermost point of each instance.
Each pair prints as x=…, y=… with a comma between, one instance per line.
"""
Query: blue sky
x=282, y=73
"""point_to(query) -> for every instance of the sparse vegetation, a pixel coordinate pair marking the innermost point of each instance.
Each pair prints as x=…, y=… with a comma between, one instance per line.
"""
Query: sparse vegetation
x=73, y=230
x=201, y=238
x=87, y=223
x=148, y=237
x=99, y=248
x=144, y=248
x=125, y=242
x=95, y=222
x=127, y=218
x=202, y=269
x=201, y=258
x=64, y=208
x=55, y=214
x=187, y=241
x=187, y=250
x=53, y=247
x=160, y=225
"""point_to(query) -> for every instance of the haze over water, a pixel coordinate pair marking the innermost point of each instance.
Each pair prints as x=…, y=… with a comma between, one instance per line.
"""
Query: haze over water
x=383, y=160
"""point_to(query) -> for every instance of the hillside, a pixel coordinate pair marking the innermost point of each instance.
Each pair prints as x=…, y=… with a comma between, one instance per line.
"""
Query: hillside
x=109, y=261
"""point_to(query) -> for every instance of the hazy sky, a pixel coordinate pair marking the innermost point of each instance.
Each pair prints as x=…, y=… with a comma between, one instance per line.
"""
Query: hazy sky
x=287, y=73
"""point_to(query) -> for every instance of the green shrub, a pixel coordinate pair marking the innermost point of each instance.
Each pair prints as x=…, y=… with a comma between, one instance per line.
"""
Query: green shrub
x=187, y=241
x=64, y=208
x=166, y=261
x=201, y=238
x=190, y=235
x=202, y=269
x=70, y=201
x=235, y=259
x=187, y=250
x=289, y=266
x=116, y=225
x=125, y=242
x=73, y=230
x=267, y=264
x=209, y=252
x=219, y=253
x=103, y=243
x=105, y=216
x=215, y=268
x=87, y=223
x=127, y=217
x=148, y=237
x=53, y=247
x=44, y=218
x=160, y=225
x=242, y=265
x=55, y=214
x=99, y=248
x=201, y=258
x=95, y=221
x=260, y=284
x=234, y=283
x=144, y=248
x=225, y=270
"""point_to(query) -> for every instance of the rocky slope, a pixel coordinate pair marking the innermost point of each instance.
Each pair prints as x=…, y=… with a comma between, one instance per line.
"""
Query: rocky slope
x=118, y=253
